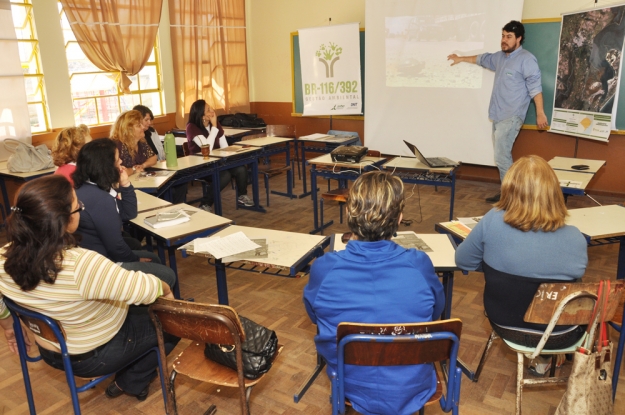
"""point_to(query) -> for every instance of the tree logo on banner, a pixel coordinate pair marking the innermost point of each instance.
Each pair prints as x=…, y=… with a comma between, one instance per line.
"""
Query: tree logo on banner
x=328, y=55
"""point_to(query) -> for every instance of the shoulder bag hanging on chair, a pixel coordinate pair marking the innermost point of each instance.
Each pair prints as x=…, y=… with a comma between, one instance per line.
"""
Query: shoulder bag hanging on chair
x=27, y=158
x=589, y=389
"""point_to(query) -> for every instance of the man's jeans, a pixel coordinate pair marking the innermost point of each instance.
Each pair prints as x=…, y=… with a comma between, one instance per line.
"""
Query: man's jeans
x=505, y=133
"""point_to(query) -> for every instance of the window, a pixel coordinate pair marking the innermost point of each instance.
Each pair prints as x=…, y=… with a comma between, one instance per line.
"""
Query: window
x=28, y=46
x=96, y=96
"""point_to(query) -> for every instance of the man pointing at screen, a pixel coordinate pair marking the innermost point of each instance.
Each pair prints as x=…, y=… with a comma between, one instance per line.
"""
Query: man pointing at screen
x=517, y=81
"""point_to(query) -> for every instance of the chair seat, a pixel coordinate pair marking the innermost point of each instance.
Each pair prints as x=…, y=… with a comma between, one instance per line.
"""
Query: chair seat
x=273, y=171
x=338, y=195
x=529, y=350
x=192, y=363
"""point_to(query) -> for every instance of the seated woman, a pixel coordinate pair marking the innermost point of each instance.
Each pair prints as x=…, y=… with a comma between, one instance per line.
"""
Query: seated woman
x=374, y=280
x=65, y=149
x=128, y=134
x=42, y=269
x=203, y=129
x=151, y=136
x=524, y=241
x=108, y=198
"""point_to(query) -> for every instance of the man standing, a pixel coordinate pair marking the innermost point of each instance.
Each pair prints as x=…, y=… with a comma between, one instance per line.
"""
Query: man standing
x=517, y=81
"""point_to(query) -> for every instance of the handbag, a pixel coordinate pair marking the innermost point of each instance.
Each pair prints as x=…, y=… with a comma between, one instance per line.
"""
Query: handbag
x=589, y=389
x=258, y=349
x=26, y=157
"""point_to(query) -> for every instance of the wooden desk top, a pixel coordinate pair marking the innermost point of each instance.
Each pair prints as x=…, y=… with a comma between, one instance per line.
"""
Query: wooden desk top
x=574, y=176
x=150, y=182
x=565, y=163
x=599, y=221
x=186, y=162
x=326, y=160
x=443, y=250
x=146, y=202
x=333, y=139
x=200, y=221
x=412, y=163
x=233, y=150
x=285, y=249
x=263, y=141
x=4, y=171
x=228, y=132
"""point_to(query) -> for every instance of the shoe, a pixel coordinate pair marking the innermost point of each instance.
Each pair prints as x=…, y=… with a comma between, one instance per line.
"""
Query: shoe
x=541, y=364
x=494, y=199
x=113, y=391
x=207, y=208
x=245, y=201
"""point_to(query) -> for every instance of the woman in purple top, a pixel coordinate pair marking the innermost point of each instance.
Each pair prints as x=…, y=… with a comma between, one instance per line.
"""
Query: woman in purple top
x=204, y=129
x=128, y=134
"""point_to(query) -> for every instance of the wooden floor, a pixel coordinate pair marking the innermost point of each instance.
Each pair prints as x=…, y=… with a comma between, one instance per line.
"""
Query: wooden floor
x=276, y=302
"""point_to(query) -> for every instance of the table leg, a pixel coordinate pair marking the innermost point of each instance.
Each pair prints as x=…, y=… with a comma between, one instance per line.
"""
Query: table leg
x=320, y=365
x=306, y=192
x=620, y=265
x=289, y=176
x=453, y=195
x=222, y=283
x=313, y=183
x=216, y=193
x=448, y=288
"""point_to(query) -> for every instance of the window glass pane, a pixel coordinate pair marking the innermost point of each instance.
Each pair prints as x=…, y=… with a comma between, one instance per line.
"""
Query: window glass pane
x=128, y=101
x=152, y=100
x=134, y=86
x=28, y=56
x=37, y=118
x=108, y=108
x=20, y=21
x=33, y=90
x=85, y=111
x=149, y=78
x=93, y=85
x=77, y=61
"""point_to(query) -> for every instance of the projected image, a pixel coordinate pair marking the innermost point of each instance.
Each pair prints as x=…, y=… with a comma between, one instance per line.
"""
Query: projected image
x=417, y=49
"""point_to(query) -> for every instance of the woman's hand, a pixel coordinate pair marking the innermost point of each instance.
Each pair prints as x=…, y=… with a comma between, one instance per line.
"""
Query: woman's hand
x=213, y=117
x=9, y=334
x=139, y=167
x=124, y=180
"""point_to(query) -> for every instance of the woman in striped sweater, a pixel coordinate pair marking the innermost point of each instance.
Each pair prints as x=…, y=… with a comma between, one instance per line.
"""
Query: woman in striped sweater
x=97, y=302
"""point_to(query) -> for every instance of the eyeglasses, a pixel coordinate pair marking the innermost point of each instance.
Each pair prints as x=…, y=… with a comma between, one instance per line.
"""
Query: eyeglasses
x=81, y=207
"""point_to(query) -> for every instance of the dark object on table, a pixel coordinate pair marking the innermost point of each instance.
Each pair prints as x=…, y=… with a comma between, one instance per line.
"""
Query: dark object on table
x=240, y=120
x=580, y=167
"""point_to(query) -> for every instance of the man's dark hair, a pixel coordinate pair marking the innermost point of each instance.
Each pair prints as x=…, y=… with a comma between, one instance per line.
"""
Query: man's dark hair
x=515, y=27
x=96, y=164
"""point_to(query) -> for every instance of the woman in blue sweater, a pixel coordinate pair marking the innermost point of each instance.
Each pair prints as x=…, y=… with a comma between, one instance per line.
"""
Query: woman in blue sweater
x=108, y=198
x=374, y=280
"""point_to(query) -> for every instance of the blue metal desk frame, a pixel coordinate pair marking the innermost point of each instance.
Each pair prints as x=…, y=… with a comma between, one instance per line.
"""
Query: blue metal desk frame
x=273, y=149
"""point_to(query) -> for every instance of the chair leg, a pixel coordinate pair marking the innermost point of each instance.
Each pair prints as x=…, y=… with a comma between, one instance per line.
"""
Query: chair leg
x=480, y=366
x=248, y=393
x=619, y=358
x=267, y=187
x=171, y=393
x=519, y=382
x=321, y=215
x=341, y=205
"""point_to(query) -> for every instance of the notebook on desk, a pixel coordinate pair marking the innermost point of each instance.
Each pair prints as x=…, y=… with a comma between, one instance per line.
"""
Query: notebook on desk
x=431, y=161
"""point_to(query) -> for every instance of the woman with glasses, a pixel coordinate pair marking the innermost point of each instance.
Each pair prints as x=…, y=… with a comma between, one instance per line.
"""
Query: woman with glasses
x=103, y=186
x=42, y=269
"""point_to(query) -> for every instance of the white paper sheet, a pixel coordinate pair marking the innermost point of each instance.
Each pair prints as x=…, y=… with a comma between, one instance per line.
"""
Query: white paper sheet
x=226, y=246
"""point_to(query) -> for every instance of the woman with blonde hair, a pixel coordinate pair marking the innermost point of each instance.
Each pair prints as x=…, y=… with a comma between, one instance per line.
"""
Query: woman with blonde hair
x=374, y=280
x=66, y=147
x=519, y=244
x=128, y=134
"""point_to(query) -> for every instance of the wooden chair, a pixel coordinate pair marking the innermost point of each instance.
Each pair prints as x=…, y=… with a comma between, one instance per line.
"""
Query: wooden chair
x=265, y=169
x=555, y=304
x=405, y=344
x=288, y=131
x=340, y=195
x=52, y=331
x=202, y=323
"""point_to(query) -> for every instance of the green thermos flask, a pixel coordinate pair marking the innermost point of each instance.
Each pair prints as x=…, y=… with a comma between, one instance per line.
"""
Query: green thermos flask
x=169, y=145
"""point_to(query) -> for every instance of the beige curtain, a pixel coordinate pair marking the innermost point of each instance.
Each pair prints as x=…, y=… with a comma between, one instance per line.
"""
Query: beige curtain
x=115, y=35
x=210, y=62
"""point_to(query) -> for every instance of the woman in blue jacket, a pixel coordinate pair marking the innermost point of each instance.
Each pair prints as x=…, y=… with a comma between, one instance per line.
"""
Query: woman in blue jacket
x=374, y=280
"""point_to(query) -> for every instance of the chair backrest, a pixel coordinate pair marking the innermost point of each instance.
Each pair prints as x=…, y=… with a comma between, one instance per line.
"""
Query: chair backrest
x=374, y=153
x=281, y=130
x=185, y=148
x=43, y=326
x=206, y=323
x=413, y=352
x=577, y=310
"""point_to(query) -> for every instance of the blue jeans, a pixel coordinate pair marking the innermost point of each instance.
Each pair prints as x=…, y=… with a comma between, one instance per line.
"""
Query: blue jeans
x=135, y=337
x=505, y=133
x=160, y=271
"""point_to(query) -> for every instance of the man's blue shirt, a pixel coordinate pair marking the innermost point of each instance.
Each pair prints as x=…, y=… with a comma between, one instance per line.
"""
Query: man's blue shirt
x=517, y=81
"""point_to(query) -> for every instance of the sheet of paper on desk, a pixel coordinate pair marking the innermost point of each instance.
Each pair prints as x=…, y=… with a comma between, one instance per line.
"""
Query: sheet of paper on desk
x=226, y=246
x=410, y=240
x=315, y=136
x=470, y=222
x=457, y=227
x=261, y=252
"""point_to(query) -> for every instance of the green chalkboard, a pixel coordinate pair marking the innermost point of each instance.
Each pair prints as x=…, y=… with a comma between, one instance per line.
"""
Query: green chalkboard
x=298, y=95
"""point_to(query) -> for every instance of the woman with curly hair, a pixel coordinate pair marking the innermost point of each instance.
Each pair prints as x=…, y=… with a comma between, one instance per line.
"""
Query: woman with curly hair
x=66, y=147
x=128, y=134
